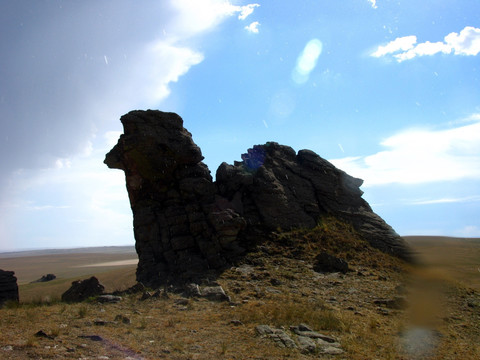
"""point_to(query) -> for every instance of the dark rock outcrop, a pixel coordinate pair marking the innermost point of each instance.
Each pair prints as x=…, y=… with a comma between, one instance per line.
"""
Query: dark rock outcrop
x=45, y=278
x=83, y=289
x=274, y=187
x=184, y=223
x=8, y=287
x=180, y=225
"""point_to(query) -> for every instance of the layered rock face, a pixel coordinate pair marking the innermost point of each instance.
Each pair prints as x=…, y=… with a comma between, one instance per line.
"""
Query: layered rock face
x=8, y=287
x=184, y=223
x=180, y=224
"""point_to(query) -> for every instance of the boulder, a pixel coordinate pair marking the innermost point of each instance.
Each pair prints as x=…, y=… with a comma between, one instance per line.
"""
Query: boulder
x=83, y=289
x=185, y=224
x=325, y=262
x=8, y=287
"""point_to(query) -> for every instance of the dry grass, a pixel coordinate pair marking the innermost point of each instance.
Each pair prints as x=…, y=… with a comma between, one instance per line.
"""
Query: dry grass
x=276, y=286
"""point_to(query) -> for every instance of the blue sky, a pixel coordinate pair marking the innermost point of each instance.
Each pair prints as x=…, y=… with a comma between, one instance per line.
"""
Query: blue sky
x=389, y=91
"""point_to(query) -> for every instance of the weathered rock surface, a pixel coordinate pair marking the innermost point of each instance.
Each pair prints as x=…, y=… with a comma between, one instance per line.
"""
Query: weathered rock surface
x=179, y=224
x=274, y=187
x=184, y=223
x=8, y=287
x=83, y=289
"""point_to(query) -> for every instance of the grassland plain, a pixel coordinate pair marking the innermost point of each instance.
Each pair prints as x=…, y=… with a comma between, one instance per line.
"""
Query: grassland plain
x=275, y=285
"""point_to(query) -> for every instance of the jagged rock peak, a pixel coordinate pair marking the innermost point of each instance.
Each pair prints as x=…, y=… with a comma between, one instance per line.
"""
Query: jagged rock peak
x=184, y=223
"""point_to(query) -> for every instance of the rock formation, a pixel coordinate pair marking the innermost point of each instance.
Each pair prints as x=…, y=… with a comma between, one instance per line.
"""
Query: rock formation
x=184, y=223
x=83, y=289
x=45, y=278
x=8, y=287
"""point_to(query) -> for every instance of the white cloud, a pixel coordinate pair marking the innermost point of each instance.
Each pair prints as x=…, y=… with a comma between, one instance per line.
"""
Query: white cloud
x=167, y=62
x=246, y=10
x=426, y=48
x=399, y=44
x=420, y=156
x=253, y=27
x=467, y=42
x=201, y=15
x=373, y=3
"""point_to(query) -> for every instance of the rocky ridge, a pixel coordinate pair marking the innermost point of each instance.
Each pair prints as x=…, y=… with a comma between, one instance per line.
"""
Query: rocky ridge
x=185, y=224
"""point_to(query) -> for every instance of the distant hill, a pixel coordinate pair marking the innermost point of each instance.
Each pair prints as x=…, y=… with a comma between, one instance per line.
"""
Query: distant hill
x=457, y=258
x=86, y=250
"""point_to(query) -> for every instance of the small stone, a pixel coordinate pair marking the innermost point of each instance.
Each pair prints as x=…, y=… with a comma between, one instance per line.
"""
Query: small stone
x=215, y=293
x=275, y=282
x=313, y=335
x=123, y=319
x=42, y=334
x=236, y=322
x=109, y=299
x=282, y=339
x=192, y=290
x=325, y=262
x=306, y=344
x=304, y=327
x=473, y=303
x=100, y=322
x=7, y=348
x=181, y=302
x=330, y=350
x=146, y=295
x=383, y=311
x=264, y=329
x=91, y=337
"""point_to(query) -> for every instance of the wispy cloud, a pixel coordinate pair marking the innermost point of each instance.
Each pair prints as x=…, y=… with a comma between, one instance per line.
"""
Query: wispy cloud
x=419, y=156
x=467, y=42
x=253, y=27
x=443, y=200
x=470, y=231
x=373, y=3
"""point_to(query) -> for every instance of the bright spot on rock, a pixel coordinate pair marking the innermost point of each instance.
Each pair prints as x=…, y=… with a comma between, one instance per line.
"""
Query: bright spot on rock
x=307, y=61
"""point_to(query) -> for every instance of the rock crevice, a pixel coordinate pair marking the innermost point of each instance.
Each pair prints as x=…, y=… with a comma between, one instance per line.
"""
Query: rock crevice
x=184, y=223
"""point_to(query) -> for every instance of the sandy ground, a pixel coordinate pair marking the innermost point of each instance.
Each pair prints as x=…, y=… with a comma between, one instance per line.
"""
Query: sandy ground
x=111, y=263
